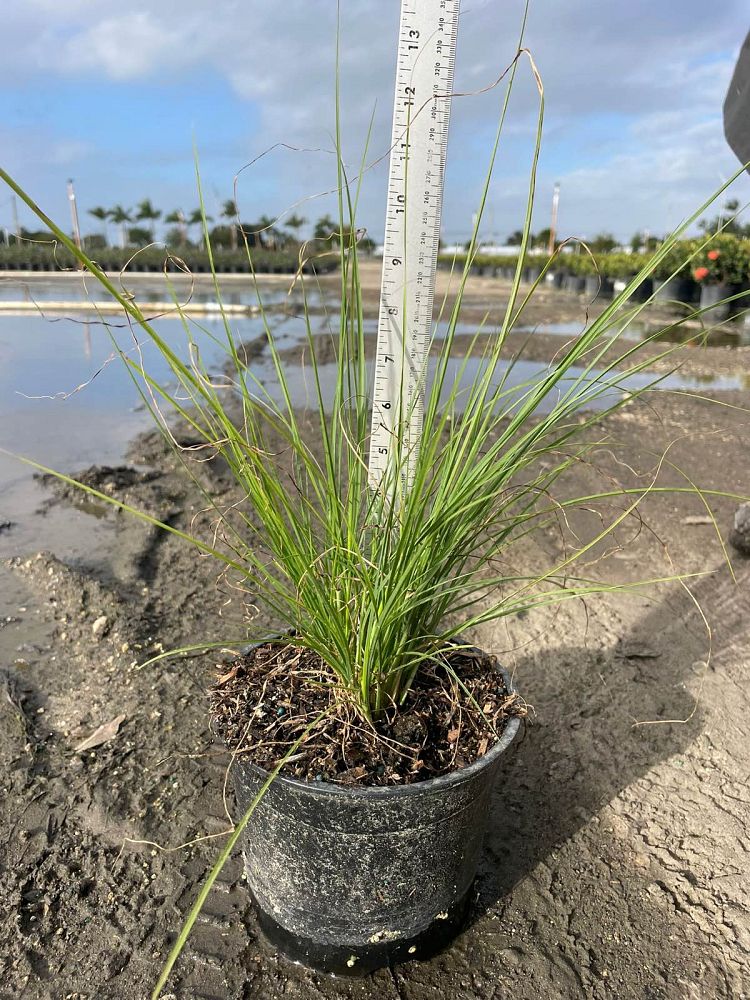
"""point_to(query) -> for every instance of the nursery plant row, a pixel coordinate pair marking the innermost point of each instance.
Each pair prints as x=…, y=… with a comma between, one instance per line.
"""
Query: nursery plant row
x=692, y=271
x=47, y=257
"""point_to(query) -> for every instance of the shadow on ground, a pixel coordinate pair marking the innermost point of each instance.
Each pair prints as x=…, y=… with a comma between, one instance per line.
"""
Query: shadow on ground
x=561, y=891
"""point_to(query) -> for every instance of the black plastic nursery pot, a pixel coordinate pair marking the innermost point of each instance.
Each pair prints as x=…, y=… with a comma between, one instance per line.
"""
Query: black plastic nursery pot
x=712, y=302
x=640, y=294
x=349, y=879
x=574, y=283
x=676, y=290
x=596, y=287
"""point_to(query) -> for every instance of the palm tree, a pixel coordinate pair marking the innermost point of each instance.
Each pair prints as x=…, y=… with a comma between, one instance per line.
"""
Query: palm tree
x=147, y=213
x=295, y=223
x=196, y=219
x=325, y=228
x=265, y=225
x=139, y=236
x=177, y=218
x=230, y=212
x=121, y=216
x=334, y=233
x=102, y=214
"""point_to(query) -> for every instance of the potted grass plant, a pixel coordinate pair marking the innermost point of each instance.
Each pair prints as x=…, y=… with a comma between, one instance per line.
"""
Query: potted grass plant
x=367, y=730
x=367, y=734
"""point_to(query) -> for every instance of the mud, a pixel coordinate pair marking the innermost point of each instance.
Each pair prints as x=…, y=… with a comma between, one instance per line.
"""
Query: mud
x=617, y=861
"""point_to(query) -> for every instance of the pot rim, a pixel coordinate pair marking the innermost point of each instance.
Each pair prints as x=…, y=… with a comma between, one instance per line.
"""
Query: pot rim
x=438, y=783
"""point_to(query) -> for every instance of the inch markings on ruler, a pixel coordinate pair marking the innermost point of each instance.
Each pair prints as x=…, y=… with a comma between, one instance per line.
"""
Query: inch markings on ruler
x=421, y=114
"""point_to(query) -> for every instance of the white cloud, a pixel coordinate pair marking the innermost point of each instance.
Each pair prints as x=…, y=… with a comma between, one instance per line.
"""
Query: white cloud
x=124, y=47
x=660, y=70
x=67, y=151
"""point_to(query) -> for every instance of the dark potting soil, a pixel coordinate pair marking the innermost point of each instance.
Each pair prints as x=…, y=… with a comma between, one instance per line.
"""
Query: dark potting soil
x=263, y=702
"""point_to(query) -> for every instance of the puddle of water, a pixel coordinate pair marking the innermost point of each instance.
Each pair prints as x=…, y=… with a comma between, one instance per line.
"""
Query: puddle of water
x=732, y=334
x=67, y=428
x=147, y=287
x=516, y=382
x=569, y=329
x=50, y=357
x=735, y=333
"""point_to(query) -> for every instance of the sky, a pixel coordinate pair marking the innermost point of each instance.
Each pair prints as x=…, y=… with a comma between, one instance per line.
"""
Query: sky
x=117, y=96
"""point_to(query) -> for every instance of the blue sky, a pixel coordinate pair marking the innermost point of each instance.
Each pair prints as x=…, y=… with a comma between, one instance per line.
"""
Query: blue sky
x=115, y=96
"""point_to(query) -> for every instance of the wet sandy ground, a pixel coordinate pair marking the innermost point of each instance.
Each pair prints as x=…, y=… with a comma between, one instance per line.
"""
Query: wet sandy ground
x=617, y=860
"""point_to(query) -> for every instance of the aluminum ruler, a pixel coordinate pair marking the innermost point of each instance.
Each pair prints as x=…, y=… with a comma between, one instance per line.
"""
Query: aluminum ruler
x=424, y=81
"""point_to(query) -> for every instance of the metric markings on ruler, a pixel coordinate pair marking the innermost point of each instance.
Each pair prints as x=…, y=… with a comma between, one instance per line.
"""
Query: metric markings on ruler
x=421, y=113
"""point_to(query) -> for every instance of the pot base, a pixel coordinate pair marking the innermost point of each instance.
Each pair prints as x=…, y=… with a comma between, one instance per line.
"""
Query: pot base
x=342, y=960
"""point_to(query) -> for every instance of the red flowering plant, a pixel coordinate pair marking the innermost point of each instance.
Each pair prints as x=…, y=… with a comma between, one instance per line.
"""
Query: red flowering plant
x=723, y=261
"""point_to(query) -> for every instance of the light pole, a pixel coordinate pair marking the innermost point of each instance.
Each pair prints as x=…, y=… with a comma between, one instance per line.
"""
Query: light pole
x=74, y=213
x=553, y=223
x=16, y=227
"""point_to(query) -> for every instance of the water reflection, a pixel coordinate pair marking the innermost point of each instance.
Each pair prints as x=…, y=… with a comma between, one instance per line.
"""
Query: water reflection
x=732, y=333
x=67, y=400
